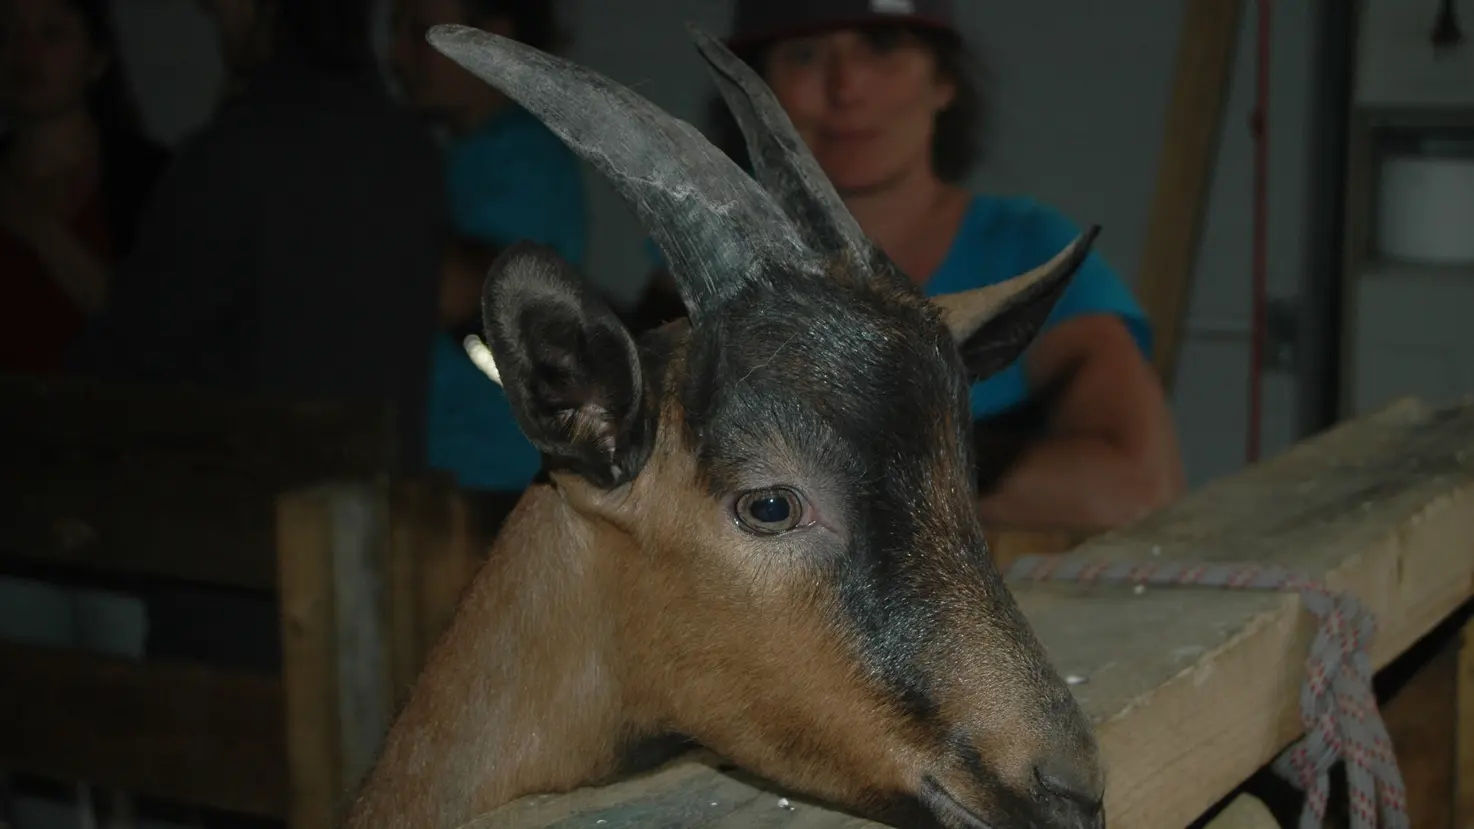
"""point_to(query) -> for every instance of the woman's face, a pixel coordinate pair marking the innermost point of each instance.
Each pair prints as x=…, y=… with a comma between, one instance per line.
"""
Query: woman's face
x=865, y=102
x=48, y=59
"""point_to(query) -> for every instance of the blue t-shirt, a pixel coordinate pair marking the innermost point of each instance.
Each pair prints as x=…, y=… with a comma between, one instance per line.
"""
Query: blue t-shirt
x=1003, y=236
x=511, y=179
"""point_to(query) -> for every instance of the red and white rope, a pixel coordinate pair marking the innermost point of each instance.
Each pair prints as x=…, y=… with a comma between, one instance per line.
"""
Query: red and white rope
x=1337, y=704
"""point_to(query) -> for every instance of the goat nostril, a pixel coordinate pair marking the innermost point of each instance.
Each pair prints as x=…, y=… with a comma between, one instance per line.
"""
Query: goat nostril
x=1073, y=794
x=1068, y=782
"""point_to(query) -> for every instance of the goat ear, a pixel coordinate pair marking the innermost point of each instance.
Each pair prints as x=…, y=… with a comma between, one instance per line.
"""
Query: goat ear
x=569, y=366
x=992, y=325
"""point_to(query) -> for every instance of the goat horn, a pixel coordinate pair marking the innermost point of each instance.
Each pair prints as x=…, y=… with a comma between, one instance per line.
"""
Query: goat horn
x=966, y=311
x=718, y=228
x=781, y=160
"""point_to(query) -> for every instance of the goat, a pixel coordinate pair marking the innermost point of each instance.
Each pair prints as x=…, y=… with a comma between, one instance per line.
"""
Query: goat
x=756, y=525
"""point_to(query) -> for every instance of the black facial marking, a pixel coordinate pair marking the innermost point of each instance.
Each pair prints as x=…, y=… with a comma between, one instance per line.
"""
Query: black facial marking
x=855, y=382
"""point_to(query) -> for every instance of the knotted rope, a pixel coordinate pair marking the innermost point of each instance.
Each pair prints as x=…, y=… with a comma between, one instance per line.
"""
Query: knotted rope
x=1337, y=704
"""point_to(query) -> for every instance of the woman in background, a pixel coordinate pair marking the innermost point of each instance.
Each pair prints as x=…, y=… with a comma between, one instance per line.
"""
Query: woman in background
x=510, y=179
x=75, y=170
x=1077, y=431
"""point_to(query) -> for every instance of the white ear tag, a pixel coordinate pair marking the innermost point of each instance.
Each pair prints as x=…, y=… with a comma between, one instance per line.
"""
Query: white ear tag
x=481, y=356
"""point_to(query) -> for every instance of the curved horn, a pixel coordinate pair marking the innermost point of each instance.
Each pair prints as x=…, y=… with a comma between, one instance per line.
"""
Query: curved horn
x=717, y=227
x=966, y=312
x=782, y=161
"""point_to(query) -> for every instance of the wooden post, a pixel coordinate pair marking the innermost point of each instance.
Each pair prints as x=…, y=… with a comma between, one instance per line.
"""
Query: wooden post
x=1194, y=124
x=331, y=544
x=434, y=552
x=1418, y=716
x=1464, y=730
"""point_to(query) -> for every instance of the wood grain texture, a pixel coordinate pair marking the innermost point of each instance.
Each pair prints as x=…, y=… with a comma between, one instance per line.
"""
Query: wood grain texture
x=333, y=542
x=314, y=737
x=1192, y=690
x=1382, y=506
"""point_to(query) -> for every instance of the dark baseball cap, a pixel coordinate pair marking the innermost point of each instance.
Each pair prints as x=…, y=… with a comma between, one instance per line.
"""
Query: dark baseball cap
x=758, y=20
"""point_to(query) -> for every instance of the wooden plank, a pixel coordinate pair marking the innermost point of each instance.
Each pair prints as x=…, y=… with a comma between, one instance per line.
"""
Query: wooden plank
x=208, y=427
x=1382, y=506
x=1193, y=690
x=1464, y=732
x=1009, y=544
x=95, y=517
x=304, y=529
x=332, y=543
x=434, y=553
x=85, y=491
x=1193, y=127
x=187, y=733
x=692, y=792
x=1417, y=718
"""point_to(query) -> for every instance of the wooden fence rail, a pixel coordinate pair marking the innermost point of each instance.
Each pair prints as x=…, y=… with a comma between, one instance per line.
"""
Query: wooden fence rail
x=135, y=487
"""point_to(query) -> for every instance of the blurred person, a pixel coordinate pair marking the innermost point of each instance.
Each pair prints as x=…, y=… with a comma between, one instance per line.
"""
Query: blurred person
x=290, y=253
x=509, y=178
x=75, y=170
x=1074, y=434
x=306, y=215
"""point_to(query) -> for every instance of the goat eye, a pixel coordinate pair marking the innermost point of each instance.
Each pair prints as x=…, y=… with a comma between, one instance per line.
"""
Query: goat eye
x=769, y=511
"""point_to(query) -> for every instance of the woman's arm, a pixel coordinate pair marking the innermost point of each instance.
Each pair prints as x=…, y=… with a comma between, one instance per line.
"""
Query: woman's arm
x=1108, y=452
x=80, y=272
x=65, y=258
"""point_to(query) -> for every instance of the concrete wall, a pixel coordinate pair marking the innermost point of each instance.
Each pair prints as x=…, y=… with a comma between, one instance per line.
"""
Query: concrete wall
x=1080, y=90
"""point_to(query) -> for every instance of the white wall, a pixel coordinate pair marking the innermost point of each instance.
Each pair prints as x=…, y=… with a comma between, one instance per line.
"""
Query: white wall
x=1080, y=89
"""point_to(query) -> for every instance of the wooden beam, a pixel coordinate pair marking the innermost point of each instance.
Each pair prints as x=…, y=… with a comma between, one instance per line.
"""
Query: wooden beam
x=211, y=428
x=92, y=516
x=1193, y=690
x=1464, y=732
x=1202, y=77
x=433, y=556
x=1417, y=716
x=332, y=541
x=91, y=468
x=188, y=733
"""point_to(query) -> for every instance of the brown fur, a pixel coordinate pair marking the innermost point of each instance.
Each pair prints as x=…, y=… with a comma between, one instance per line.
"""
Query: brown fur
x=591, y=625
x=868, y=654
